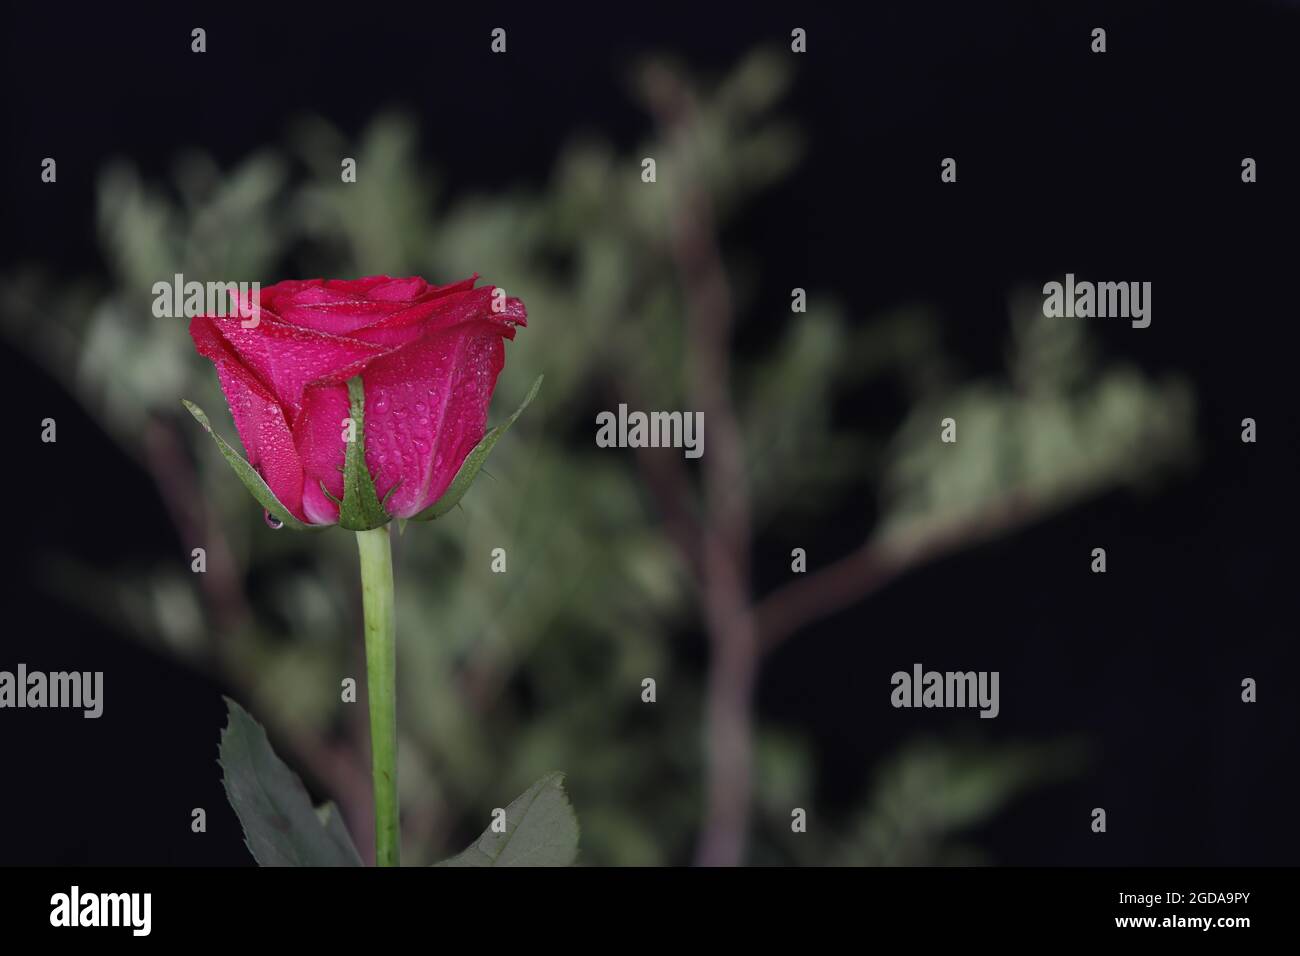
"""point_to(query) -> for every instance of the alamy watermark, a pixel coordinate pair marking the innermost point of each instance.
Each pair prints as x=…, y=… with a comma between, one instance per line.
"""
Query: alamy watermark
x=651, y=430
x=180, y=299
x=922, y=688
x=78, y=690
x=75, y=908
x=1084, y=300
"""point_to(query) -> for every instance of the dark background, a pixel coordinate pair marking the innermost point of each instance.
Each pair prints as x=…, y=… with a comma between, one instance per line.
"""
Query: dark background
x=1125, y=165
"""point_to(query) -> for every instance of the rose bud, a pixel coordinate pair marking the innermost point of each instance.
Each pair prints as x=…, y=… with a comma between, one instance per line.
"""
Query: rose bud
x=366, y=394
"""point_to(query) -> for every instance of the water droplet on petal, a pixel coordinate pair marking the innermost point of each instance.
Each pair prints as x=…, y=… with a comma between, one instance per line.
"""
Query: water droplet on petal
x=272, y=522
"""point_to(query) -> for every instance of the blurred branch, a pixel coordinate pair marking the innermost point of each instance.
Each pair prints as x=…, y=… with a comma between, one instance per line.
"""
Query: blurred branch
x=726, y=532
x=664, y=475
x=1049, y=475
x=195, y=522
x=861, y=573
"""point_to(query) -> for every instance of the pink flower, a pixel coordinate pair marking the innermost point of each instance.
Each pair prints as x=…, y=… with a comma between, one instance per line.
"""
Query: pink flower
x=428, y=357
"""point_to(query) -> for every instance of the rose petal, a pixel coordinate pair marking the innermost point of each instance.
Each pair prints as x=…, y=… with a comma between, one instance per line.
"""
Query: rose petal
x=289, y=359
x=318, y=435
x=429, y=356
x=464, y=422
x=259, y=419
x=426, y=409
x=451, y=308
x=398, y=290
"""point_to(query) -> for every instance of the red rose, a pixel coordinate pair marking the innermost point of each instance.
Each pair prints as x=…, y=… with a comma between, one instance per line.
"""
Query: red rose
x=428, y=357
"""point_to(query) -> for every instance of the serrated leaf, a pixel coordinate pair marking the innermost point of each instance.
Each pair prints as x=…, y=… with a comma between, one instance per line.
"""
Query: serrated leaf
x=332, y=820
x=361, y=509
x=256, y=486
x=281, y=828
x=473, y=463
x=541, y=830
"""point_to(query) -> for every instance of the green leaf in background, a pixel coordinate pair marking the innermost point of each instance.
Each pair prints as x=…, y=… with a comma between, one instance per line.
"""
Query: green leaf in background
x=361, y=509
x=281, y=828
x=473, y=462
x=248, y=475
x=541, y=829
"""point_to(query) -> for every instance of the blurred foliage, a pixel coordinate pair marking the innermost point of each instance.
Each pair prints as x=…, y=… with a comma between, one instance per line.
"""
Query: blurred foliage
x=504, y=677
x=931, y=791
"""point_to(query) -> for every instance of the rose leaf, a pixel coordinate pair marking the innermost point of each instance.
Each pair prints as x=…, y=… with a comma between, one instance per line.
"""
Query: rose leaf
x=540, y=830
x=281, y=828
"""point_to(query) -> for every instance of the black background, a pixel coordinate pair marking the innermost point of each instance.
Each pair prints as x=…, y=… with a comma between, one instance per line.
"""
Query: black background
x=1125, y=165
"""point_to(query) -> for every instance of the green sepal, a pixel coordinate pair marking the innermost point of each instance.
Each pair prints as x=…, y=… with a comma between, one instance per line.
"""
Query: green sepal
x=473, y=463
x=256, y=486
x=326, y=492
x=361, y=509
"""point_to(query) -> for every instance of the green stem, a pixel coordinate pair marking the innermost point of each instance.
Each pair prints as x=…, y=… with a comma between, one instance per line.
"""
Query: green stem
x=381, y=683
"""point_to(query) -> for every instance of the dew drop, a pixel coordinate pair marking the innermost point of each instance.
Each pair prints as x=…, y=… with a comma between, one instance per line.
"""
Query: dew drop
x=381, y=405
x=272, y=522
